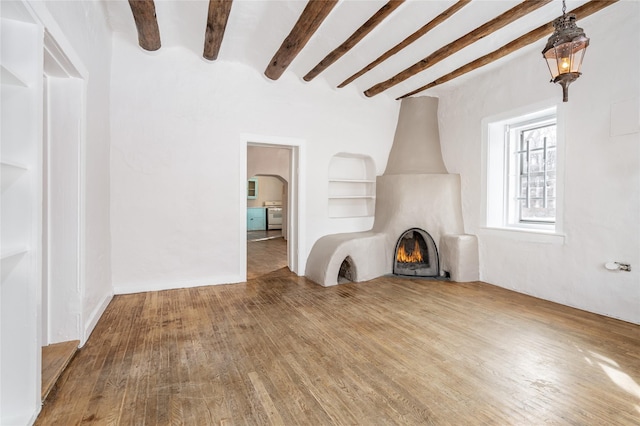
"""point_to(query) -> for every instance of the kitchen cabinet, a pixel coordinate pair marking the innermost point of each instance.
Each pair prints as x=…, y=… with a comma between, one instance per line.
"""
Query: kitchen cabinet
x=256, y=219
x=252, y=189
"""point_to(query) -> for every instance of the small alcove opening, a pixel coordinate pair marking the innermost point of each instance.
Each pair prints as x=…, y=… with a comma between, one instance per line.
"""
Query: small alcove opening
x=347, y=272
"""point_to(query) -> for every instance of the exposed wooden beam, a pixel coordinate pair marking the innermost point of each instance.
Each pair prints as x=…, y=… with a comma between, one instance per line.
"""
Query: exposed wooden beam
x=358, y=35
x=144, y=14
x=530, y=37
x=217, y=18
x=407, y=41
x=482, y=31
x=308, y=23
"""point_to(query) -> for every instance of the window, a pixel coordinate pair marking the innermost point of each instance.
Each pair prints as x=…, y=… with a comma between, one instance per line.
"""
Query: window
x=522, y=171
x=532, y=171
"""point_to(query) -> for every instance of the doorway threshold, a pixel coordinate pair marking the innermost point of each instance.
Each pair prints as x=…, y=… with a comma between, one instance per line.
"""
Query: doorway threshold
x=264, y=235
x=55, y=359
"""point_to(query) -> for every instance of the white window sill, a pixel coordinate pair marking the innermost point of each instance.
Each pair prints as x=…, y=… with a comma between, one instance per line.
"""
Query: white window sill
x=526, y=235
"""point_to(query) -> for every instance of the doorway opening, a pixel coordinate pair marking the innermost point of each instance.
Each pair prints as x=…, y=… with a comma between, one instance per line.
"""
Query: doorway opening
x=270, y=194
x=267, y=205
x=63, y=120
x=62, y=235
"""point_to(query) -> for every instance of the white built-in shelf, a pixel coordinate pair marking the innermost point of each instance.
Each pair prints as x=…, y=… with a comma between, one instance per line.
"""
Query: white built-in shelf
x=21, y=114
x=11, y=172
x=352, y=186
x=10, y=78
x=8, y=252
x=13, y=165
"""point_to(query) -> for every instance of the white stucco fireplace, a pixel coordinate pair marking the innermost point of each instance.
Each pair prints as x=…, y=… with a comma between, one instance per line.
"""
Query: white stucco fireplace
x=415, y=192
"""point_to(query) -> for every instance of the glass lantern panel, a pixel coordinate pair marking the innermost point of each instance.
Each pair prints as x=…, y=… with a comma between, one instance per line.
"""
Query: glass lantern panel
x=563, y=57
x=579, y=48
x=549, y=56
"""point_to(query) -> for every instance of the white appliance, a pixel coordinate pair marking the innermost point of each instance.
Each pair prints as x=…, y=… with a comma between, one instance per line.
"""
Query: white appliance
x=274, y=214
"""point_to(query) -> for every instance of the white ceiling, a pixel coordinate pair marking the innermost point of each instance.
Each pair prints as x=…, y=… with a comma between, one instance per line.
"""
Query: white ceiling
x=256, y=29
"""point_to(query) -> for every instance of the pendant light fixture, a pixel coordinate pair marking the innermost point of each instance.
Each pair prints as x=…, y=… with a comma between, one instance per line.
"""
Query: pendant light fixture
x=564, y=51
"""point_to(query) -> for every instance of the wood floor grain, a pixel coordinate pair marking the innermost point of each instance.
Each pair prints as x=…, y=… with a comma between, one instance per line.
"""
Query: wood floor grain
x=55, y=358
x=265, y=256
x=282, y=350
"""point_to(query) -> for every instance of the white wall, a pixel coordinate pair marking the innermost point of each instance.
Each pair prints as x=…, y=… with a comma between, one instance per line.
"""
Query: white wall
x=602, y=184
x=269, y=189
x=268, y=161
x=85, y=26
x=265, y=163
x=79, y=37
x=176, y=132
x=82, y=32
x=62, y=303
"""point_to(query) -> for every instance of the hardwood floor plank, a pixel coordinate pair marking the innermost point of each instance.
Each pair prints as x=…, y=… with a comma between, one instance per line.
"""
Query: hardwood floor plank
x=267, y=403
x=282, y=350
x=55, y=358
x=265, y=256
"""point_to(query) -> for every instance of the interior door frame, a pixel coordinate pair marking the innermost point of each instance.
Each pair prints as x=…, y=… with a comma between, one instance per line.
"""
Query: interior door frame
x=296, y=199
x=64, y=63
x=63, y=230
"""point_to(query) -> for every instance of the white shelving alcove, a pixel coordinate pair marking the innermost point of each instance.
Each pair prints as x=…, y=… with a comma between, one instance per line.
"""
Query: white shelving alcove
x=20, y=220
x=42, y=213
x=352, y=186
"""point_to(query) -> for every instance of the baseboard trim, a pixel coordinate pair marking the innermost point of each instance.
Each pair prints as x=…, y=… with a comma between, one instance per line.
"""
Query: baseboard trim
x=566, y=303
x=145, y=287
x=94, y=317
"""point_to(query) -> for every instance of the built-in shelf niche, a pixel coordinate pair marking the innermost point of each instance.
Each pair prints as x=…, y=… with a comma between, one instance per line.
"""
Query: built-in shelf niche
x=20, y=217
x=10, y=77
x=352, y=185
x=9, y=252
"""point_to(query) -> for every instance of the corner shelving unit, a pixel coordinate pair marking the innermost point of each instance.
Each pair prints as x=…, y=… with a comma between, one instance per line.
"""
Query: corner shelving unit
x=20, y=219
x=352, y=186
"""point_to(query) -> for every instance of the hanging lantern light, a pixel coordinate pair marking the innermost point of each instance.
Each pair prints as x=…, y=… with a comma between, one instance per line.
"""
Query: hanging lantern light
x=564, y=51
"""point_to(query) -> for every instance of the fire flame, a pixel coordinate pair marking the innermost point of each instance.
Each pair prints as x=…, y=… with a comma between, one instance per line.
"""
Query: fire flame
x=414, y=257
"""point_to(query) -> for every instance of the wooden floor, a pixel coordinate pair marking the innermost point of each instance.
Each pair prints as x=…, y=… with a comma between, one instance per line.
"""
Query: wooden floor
x=264, y=234
x=265, y=256
x=55, y=359
x=282, y=350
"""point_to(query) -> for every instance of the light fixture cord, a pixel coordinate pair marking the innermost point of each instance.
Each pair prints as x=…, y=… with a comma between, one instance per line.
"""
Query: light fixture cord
x=564, y=8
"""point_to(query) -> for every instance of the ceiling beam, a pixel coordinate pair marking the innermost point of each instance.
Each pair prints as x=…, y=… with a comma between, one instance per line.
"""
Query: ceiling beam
x=482, y=31
x=217, y=18
x=358, y=35
x=407, y=41
x=144, y=14
x=308, y=23
x=530, y=37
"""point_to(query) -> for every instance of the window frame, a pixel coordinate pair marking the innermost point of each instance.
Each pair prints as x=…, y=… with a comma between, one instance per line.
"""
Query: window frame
x=495, y=172
x=513, y=139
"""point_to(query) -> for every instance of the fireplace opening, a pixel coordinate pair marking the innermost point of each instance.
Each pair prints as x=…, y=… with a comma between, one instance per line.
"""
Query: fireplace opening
x=347, y=272
x=416, y=255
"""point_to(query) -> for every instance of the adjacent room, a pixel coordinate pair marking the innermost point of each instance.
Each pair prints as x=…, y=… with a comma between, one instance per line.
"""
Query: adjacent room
x=320, y=212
